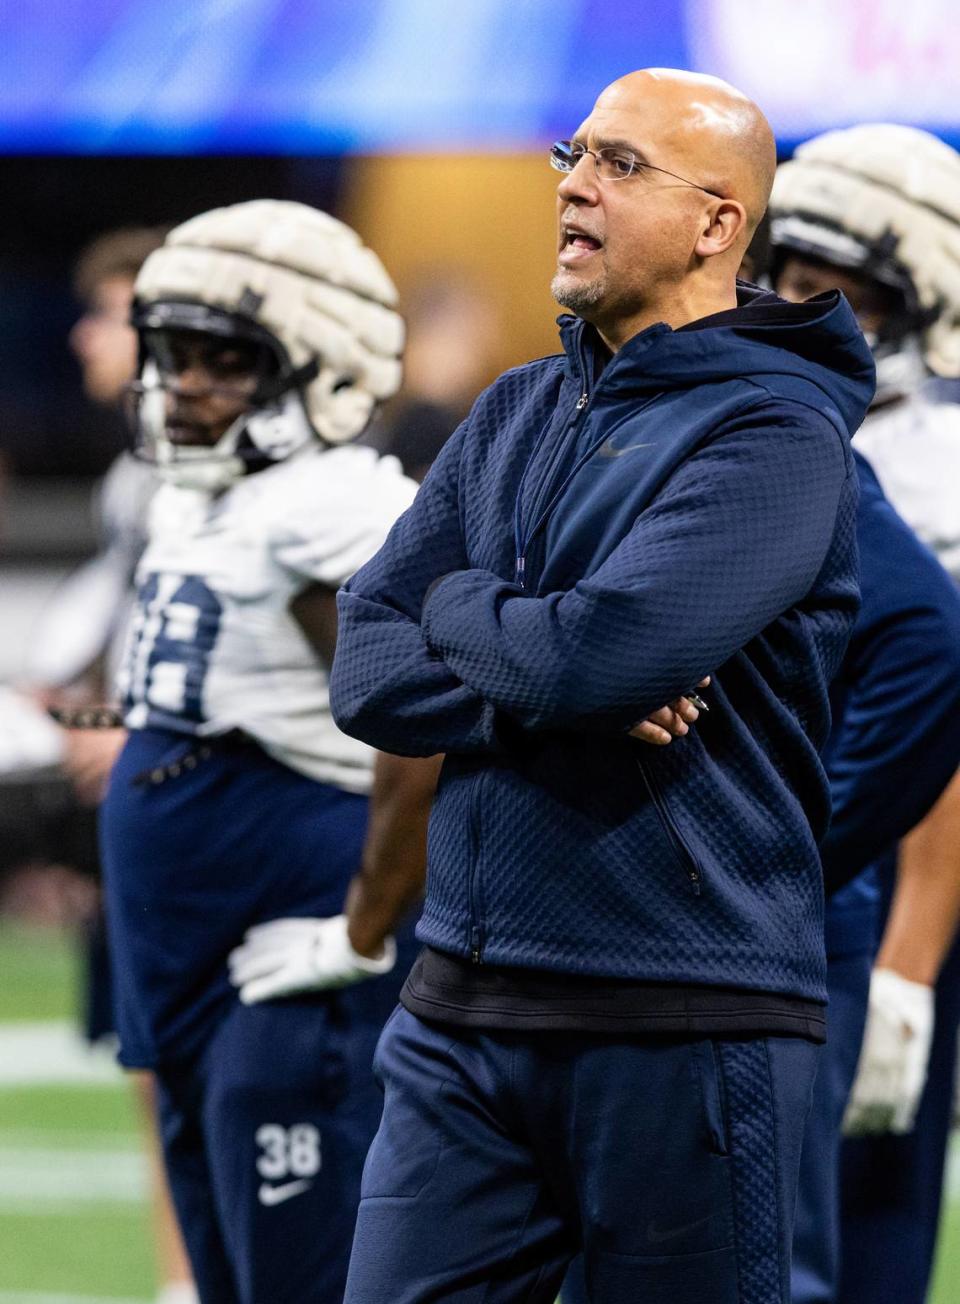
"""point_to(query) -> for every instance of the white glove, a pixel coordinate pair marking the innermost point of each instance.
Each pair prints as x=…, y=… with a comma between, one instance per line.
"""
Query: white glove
x=893, y=1058
x=287, y=956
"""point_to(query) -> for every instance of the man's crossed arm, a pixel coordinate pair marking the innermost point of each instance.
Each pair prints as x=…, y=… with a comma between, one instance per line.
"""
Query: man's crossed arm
x=736, y=537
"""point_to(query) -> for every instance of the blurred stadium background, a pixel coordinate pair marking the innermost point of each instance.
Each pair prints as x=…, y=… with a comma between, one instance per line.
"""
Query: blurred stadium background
x=423, y=123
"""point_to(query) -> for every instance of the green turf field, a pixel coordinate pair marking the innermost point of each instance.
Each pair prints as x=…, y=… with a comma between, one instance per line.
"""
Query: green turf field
x=73, y=1212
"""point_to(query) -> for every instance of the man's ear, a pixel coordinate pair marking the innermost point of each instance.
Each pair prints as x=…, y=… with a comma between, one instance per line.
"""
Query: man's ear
x=723, y=223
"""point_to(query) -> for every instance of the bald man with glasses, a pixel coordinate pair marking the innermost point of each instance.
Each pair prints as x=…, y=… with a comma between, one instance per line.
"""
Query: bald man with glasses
x=609, y=1040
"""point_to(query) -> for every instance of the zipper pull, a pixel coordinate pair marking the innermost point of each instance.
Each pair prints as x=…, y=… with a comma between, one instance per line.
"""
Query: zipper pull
x=518, y=572
x=582, y=401
x=475, y=945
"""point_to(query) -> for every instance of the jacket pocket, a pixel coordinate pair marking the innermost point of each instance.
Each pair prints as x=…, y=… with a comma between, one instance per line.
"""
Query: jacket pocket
x=687, y=861
x=406, y=1151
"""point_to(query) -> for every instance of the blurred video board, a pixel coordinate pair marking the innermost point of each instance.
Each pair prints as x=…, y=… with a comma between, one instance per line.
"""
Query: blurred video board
x=344, y=76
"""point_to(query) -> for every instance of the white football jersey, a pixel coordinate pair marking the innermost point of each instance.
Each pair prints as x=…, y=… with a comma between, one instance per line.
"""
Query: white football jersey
x=914, y=447
x=212, y=644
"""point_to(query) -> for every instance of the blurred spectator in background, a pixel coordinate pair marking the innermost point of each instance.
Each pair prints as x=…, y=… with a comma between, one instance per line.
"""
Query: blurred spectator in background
x=103, y=339
x=874, y=210
x=78, y=634
x=54, y=779
x=76, y=643
x=452, y=335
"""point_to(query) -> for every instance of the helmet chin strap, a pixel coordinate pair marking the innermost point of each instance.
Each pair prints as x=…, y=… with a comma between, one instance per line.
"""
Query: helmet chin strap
x=901, y=369
x=254, y=441
x=210, y=468
x=278, y=430
x=269, y=390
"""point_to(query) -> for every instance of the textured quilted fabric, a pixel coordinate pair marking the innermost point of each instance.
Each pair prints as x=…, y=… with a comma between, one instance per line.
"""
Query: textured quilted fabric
x=750, y=1108
x=596, y=537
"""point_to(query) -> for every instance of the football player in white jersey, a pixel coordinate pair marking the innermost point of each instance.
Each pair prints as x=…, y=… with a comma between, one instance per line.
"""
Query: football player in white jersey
x=874, y=210
x=268, y=333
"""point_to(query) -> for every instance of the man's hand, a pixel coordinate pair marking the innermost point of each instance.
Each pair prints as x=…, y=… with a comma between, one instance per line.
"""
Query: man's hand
x=671, y=721
x=287, y=956
x=893, y=1059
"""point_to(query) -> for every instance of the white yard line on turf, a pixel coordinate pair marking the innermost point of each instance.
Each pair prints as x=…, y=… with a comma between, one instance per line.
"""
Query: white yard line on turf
x=63, y=1138
x=52, y=1052
x=952, y=1183
x=43, y=1297
x=34, y=1179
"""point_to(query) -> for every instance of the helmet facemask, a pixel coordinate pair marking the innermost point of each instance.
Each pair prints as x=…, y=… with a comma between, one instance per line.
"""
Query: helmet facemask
x=896, y=339
x=244, y=369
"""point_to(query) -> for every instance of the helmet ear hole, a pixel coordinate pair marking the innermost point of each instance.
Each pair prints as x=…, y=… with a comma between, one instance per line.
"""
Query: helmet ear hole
x=341, y=383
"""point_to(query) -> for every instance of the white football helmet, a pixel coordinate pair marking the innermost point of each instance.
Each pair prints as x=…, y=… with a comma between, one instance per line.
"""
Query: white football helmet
x=294, y=281
x=883, y=200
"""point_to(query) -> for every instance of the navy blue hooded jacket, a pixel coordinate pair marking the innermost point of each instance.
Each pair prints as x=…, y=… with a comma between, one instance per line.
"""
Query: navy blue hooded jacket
x=595, y=538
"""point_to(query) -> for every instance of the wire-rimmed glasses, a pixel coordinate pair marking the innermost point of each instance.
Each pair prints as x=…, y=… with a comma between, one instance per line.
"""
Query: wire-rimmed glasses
x=613, y=163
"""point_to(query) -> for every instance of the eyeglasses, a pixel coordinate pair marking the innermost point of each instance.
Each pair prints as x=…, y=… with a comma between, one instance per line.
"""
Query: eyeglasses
x=612, y=163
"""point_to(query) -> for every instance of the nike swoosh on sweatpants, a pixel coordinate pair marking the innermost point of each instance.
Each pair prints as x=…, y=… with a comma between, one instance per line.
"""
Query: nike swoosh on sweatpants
x=657, y=1234
x=270, y=1195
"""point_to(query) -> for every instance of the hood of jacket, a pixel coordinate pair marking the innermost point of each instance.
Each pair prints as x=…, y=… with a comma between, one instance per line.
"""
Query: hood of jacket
x=818, y=341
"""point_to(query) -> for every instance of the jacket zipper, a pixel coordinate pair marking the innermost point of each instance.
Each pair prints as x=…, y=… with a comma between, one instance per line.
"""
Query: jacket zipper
x=475, y=932
x=687, y=859
x=539, y=511
x=539, y=521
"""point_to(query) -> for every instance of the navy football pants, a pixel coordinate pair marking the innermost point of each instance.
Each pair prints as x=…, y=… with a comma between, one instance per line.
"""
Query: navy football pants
x=264, y=1140
x=672, y=1164
x=816, y=1241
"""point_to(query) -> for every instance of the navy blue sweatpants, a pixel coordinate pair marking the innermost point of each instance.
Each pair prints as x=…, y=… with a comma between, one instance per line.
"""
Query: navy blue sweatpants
x=672, y=1164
